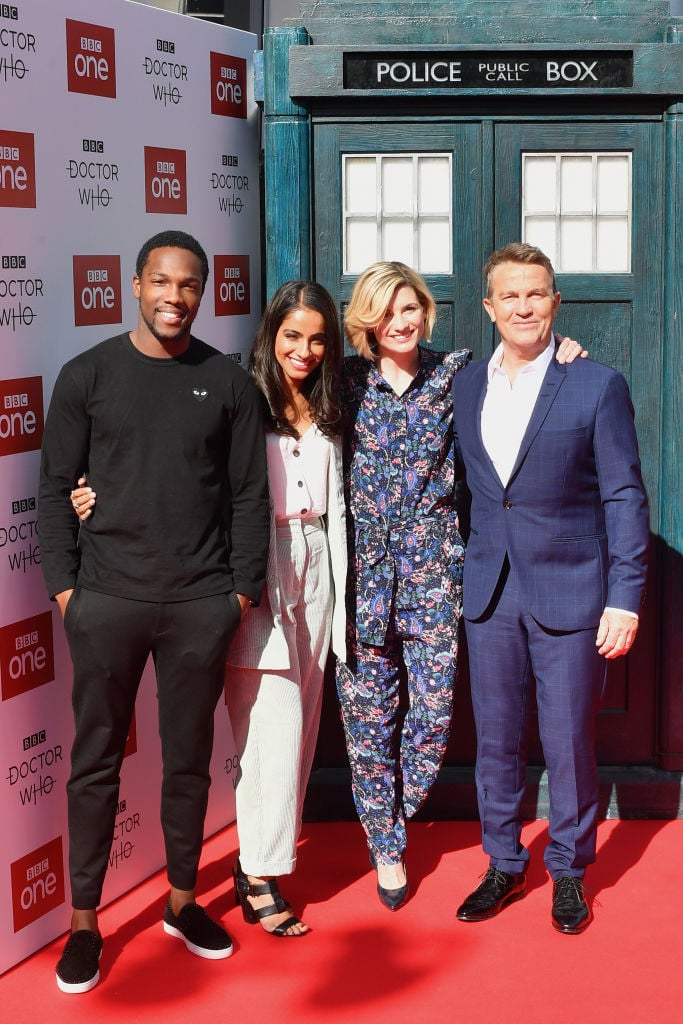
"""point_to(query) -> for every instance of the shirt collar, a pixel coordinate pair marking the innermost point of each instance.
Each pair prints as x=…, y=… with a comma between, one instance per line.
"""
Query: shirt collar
x=539, y=365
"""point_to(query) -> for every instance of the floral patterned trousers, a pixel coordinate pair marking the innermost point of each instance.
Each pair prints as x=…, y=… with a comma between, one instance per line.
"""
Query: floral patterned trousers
x=396, y=751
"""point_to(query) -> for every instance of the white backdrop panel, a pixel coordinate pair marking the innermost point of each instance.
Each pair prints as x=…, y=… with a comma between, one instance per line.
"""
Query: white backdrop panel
x=117, y=120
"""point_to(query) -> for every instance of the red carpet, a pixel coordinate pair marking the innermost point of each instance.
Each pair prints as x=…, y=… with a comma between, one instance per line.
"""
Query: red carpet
x=363, y=964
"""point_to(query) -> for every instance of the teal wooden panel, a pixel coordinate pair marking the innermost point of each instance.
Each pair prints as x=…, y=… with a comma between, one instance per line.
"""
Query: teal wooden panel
x=671, y=518
x=356, y=9
x=286, y=167
x=601, y=327
x=434, y=30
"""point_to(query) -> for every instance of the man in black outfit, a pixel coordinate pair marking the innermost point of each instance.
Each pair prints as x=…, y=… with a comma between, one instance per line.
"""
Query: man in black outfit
x=170, y=434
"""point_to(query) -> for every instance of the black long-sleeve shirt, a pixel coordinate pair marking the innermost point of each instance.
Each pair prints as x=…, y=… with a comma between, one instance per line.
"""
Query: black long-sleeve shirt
x=174, y=449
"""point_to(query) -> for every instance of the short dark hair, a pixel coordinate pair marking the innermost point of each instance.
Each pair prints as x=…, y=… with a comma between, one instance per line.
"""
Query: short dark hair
x=518, y=252
x=322, y=386
x=173, y=240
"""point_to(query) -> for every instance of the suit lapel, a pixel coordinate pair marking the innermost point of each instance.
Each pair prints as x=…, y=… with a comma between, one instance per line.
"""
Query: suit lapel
x=555, y=376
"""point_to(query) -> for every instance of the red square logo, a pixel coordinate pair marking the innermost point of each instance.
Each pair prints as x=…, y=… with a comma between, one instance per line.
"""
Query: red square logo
x=17, y=169
x=37, y=883
x=231, y=285
x=90, y=59
x=228, y=85
x=27, y=658
x=165, y=180
x=21, y=415
x=97, y=290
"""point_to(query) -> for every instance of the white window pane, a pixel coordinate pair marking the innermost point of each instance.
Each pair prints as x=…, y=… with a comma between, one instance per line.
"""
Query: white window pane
x=540, y=184
x=613, y=246
x=434, y=185
x=361, y=185
x=434, y=247
x=397, y=241
x=576, y=184
x=361, y=245
x=541, y=232
x=397, y=185
x=614, y=193
x=576, y=246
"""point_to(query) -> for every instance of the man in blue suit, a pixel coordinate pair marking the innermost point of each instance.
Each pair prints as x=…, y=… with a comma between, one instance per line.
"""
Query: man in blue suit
x=554, y=575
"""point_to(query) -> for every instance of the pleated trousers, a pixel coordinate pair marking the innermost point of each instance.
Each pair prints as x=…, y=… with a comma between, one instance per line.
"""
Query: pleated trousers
x=275, y=714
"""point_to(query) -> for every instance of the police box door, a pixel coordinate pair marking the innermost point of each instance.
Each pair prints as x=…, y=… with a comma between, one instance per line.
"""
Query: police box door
x=440, y=195
x=590, y=195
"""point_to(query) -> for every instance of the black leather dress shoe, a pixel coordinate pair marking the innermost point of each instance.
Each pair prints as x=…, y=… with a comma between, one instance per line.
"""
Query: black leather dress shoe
x=571, y=913
x=495, y=892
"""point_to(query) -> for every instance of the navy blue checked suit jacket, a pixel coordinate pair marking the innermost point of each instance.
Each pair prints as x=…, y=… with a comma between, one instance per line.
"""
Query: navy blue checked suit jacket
x=573, y=518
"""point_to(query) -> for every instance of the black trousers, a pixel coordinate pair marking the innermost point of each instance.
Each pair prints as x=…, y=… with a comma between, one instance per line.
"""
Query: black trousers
x=110, y=639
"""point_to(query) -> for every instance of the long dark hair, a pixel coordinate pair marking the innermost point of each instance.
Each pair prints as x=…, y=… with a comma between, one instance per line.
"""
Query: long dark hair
x=321, y=387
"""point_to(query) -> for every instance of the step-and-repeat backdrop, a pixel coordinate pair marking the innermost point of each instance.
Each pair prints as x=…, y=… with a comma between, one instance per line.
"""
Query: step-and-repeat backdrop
x=116, y=121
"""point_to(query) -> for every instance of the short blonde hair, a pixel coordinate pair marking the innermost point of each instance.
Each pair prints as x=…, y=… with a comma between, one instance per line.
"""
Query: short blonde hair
x=371, y=297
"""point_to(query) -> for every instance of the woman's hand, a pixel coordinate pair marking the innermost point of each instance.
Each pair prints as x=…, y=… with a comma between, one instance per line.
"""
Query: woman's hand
x=569, y=349
x=83, y=499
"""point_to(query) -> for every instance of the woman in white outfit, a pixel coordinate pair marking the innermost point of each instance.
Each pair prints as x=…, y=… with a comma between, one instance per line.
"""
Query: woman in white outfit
x=277, y=658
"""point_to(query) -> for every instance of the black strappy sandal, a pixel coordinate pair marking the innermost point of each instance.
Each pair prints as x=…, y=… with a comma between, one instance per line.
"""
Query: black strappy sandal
x=244, y=889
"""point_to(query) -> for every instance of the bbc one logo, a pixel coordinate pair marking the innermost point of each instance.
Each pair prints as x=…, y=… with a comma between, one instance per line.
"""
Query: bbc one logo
x=228, y=85
x=231, y=285
x=17, y=169
x=90, y=59
x=27, y=658
x=37, y=883
x=21, y=415
x=97, y=290
x=165, y=180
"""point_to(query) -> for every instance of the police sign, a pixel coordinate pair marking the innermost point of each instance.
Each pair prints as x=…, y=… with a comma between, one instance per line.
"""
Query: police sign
x=391, y=70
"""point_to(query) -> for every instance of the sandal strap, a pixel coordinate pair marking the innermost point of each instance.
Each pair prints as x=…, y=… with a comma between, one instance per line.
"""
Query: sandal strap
x=269, y=888
x=281, y=929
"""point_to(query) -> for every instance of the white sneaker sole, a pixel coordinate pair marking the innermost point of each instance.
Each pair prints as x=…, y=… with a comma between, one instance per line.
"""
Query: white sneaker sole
x=207, y=954
x=77, y=987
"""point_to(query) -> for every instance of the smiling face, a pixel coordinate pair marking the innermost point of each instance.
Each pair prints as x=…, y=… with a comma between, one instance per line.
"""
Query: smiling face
x=300, y=345
x=522, y=305
x=398, y=333
x=169, y=291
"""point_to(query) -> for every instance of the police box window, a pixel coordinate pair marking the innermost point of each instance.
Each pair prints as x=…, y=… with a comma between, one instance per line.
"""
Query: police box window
x=577, y=207
x=398, y=206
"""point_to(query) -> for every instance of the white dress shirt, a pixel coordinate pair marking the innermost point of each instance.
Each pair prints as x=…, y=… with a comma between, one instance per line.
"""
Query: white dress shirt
x=508, y=407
